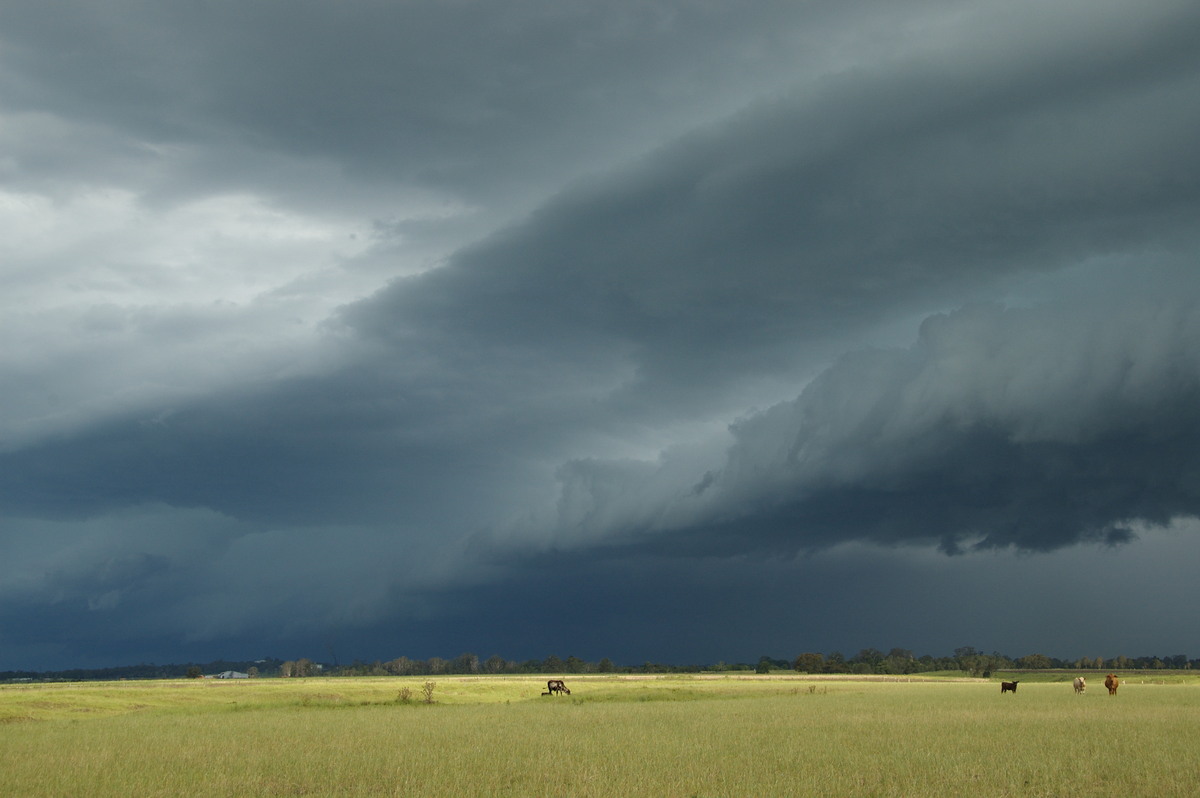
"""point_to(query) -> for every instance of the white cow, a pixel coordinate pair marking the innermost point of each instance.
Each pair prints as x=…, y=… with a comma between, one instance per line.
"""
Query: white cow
x=1080, y=684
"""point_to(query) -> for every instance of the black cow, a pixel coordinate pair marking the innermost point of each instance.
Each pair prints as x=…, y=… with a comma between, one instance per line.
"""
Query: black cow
x=556, y=686
x=1008, y=687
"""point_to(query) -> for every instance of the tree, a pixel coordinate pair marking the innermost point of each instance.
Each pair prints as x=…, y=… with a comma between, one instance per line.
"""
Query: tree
x=400, y=666
x=869, y=656
x=971, y=661
x=1038, y=662
x=899, y=660
x=962, y=652
x=194, y=672
x=810, y=662
x=997, y=661
x=465, y=663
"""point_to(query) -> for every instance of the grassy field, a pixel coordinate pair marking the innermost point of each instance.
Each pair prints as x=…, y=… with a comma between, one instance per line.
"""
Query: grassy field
x=614, y=736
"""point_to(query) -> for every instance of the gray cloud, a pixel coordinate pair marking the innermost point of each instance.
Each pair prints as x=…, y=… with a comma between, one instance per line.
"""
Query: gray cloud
x=370, y=321
x=461, y=94
x=741, y=250
x=1032, y=428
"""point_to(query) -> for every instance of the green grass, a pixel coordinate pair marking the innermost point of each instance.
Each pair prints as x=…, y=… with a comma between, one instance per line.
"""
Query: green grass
x=668, y=736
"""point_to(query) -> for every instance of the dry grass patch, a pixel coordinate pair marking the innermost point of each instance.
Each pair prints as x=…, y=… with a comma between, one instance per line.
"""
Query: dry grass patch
x=497, y=736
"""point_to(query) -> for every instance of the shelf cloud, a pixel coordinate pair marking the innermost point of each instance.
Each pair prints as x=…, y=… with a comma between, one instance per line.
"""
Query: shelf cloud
x=388, y=326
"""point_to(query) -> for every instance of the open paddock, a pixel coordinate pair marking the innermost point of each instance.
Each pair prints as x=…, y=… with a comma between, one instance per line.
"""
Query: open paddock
x=613, y=736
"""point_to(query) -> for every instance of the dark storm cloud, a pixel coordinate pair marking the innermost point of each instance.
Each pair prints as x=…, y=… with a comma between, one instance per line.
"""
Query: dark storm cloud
x=658, y=606
x=1032, y=428
x=741, y=250
x=852, y=281
x=467, y=94
x=661, y=291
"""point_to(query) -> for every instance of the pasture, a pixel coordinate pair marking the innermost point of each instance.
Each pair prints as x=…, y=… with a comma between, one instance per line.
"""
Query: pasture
x=779, y=735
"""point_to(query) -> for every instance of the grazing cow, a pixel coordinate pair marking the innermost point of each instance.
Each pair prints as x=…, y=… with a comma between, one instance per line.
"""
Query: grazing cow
x=1080, y=685
x=556, y=686
x=1112, y=683
x=1008, y=687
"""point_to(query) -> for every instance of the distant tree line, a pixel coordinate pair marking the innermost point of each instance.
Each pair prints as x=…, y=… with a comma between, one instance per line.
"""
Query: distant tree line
x=867, y=661
x=975, y=663
x=471, y=663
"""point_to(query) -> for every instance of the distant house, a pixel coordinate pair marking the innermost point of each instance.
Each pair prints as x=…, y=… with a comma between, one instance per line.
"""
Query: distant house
x=232, y=675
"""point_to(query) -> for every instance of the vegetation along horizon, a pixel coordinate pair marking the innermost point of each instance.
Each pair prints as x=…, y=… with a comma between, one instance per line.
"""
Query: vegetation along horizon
x=733, y=734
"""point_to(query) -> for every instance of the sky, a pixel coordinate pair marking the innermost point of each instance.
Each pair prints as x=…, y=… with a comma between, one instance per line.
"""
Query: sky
x=669, y=331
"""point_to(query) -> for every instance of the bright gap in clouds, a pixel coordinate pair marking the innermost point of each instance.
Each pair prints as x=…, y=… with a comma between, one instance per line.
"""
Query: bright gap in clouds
x=104, y=246
x=108, y=304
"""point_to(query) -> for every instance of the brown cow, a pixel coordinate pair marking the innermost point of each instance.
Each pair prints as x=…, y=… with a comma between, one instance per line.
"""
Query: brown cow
x=556, y=686
x=1112, y=683
x=1008, y=687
